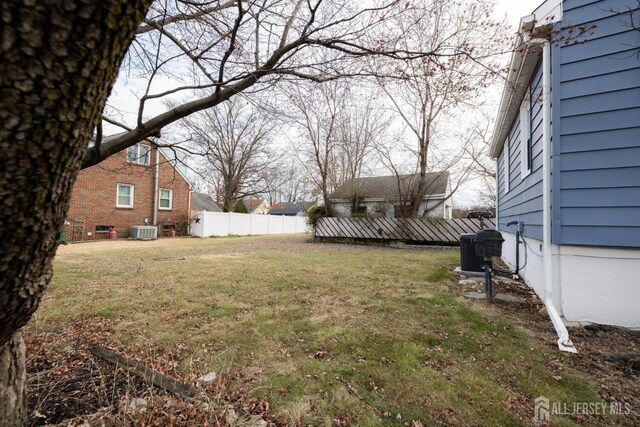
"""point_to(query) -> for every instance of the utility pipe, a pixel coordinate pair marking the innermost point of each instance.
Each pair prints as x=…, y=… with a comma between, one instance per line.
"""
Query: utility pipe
x=156, y=168
x=564, y=342
x=509, y=224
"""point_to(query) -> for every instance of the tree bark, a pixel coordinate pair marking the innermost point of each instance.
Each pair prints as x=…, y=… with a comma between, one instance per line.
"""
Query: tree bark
x=13, y=410
x=58, y=62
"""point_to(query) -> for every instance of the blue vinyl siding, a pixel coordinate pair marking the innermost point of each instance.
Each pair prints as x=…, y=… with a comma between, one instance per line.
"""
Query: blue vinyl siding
x=523, y=202
x=596, y=98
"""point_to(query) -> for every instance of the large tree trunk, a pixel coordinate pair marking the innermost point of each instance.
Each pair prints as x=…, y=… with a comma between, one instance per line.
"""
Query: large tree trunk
x=58, y=61
x=13, y=410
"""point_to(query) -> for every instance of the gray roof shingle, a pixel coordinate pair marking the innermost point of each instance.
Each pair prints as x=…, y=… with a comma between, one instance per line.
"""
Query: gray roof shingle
x=386, y=187
x=285, y=211
x=203, y=202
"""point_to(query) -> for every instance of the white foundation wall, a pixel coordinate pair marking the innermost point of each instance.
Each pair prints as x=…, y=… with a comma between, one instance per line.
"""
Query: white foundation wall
x=601, y=285
x=591, y=284
x=531, y=265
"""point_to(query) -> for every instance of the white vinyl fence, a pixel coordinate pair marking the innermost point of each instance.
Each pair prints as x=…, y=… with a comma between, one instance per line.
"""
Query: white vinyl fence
x=239, y=224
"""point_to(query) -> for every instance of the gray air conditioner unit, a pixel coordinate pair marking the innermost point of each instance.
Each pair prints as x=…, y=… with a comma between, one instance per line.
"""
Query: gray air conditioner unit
x=143, y=232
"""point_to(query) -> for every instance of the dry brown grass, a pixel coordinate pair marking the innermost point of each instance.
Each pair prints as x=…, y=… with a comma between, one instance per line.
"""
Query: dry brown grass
x=324, y=333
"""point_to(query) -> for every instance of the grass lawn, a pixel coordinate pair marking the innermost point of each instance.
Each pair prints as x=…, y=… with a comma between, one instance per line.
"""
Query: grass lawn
x=327, y=333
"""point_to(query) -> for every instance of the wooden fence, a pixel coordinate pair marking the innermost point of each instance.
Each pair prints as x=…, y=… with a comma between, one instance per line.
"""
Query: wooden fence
x=418, y=230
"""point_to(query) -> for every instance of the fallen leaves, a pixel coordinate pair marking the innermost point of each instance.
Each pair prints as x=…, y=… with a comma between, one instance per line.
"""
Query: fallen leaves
x=321, y=353
x=67, y=384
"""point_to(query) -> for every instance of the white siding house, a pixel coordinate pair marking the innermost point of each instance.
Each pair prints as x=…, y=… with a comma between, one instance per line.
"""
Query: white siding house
x=379, y=195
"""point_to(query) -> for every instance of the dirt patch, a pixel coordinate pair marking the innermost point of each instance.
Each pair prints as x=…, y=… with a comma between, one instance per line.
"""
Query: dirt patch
x=222, y=257
x=67, y=385
x=239, y=243
x=113, y=245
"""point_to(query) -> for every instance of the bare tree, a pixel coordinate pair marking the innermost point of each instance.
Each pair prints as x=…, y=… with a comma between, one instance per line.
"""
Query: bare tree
x=362, y=125
x=286, y=181
x=234, y=139
x=213, y=50
x=481, y=165
x=316, y=114
x=339, y=128
x=430, y=90
x=274, y=178
x=297, y=186
x=412, y=187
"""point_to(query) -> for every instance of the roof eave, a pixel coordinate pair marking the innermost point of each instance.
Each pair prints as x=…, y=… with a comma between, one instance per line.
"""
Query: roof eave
x=521, y=66
x=512, y=86
x=431, y=196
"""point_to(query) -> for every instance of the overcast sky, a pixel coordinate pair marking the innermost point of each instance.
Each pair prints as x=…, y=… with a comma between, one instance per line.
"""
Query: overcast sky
x=124, y=92
x=515, y=9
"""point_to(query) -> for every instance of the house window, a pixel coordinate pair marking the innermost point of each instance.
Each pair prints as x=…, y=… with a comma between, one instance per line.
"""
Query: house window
x=525, y=135
x=166, y=199
x=125, y=196
x=139, y=154
x=103, y=228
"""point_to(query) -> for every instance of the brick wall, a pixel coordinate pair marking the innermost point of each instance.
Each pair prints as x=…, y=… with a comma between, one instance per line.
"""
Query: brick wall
x=94, y=196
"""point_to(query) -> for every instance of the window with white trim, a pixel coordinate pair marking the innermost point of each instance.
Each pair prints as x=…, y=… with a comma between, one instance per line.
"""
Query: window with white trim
x=166, y=199
x=525, y=136
x=139, y=154
x=125, y=196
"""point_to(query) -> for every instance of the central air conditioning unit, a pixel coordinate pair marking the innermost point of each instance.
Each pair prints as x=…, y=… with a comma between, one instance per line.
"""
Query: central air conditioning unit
x=143, y=232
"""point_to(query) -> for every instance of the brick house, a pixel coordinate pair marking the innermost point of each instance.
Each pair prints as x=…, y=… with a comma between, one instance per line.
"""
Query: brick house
x=119, y=193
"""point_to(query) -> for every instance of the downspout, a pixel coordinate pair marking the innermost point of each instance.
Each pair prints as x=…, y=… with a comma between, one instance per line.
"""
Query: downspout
x=156, y=168
x=189, y=210
x=564, y=342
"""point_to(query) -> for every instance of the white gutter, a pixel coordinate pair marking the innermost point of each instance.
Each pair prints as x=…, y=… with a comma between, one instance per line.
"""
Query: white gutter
x=506, y=99
x=156, y=168
x=509, y=91
x=189, y=212
x=564, y=342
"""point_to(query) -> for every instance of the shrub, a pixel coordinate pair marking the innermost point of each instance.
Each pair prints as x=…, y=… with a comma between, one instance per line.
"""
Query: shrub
x=314, y=214
x=240, y=207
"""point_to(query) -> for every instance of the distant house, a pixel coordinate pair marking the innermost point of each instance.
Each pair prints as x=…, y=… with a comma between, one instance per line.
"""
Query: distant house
x=256, y=206
x=142, y=185
x=290, y=208
x=381, y=194
x=203, y=202
x=567, y=144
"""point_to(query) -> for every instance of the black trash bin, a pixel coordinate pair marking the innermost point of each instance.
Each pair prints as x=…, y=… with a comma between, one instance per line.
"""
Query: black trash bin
x=469, y=261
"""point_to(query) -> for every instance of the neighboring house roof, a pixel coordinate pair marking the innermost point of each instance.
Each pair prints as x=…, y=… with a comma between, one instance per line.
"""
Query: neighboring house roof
x=178, y=159
x=290, y=208
x=281, y=205
x=284, y=211
x=386, y=187
x=252, y=204
x=203, y=202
